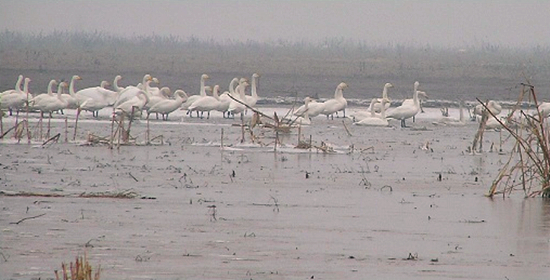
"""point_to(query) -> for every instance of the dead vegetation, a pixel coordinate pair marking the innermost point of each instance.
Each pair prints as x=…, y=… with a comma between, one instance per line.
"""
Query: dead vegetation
x=125, y=194
x=79, y=270
x=528, y=166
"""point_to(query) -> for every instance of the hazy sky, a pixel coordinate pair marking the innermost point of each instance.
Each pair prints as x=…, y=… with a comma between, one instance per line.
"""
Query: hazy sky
x=436, y=22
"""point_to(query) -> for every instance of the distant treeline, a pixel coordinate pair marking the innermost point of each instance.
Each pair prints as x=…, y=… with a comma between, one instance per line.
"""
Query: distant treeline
x=458, y=68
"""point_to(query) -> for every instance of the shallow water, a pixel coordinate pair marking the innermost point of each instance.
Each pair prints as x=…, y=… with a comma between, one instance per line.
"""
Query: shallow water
x=358, y=213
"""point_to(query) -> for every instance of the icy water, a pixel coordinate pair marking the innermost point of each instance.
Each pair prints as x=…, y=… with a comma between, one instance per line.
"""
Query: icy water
x=374, y=209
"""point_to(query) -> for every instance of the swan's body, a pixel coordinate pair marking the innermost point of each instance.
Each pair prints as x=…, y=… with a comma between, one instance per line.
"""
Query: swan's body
x=304, y=118
x=207, y=103
x=193, y=98
x=377, y=106
x=37, y=99
x=375, y=119
x=96, y=98
x=132, y=91
x=167, y=106
x=338, y=103
x=50, y=103
x=314, y=109
x=544, y=109
x=135, y=103
x=17, y=99
x=162, y=95
x=406, y=111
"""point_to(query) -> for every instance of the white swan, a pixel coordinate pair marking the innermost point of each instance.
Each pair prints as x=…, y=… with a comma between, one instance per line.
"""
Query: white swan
x=375, y=119
x=41, y=96
x=132, y=91
x=406, y=111
x=304, y=118
x=253, y=98
x=163, y=94
x=377, y=106
x=237, y=107
x=167, y=106
x=17, y=87
x=49, y=103
x=314, y=109
x=493, y=106
x=133, y=105
x=70, y=98
x=207, y=103
x=96, y=98
x=338, y=103
x=16, y=100
x=451, y=121
x=224, y=98
x=191, y=99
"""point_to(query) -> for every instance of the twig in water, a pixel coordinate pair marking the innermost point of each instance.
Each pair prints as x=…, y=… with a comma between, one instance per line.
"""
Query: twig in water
x=27, y=218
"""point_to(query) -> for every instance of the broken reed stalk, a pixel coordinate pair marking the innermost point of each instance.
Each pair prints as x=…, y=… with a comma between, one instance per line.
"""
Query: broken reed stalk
x=479, y=134
x=66, y=129
x=113, y=116
x=1, y=122
x=221, y=140
x=532, y=167
x=76, y=123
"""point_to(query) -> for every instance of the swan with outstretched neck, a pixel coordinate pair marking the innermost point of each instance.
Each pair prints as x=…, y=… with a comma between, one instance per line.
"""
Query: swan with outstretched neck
x=376, y=106
x=406, y=111
x=224, y=98
x=191, y=99
x=338, y=103
x=207, y=103
x=17, y=99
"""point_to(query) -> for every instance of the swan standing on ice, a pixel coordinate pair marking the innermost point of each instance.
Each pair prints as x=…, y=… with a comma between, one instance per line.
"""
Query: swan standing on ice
x=135, y=103
x=70, y=98
x=132, y=91
x=50, y=102
x=16, y=100
x=374, y=119
x=313, y=110
x=238, y=107
x=96, y=98
x=338, y=103
x=207, y=103
x=224, y=98
x=407, y=110
x=493, y=106
x=167, y=106
x=191, y=99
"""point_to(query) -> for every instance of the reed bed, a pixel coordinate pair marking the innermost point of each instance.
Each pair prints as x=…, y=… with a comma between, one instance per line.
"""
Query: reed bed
x=79, y=270
x=528, y=166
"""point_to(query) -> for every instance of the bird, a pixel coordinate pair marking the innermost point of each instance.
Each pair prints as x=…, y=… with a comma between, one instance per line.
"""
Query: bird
x=167, y=106
x=304, y=118
x=70, y=98
x=96, y=98
x=492, y=105
x=407, y=110
x=207, y=103
x=17, y=87
x=338, y=103
x=191, y=99
x=133, y=105
x=224, y=98
x=132, y=91
x=50, y=102
x=116, y=87
x=253, y=97
x=237, y=106
x=163, y=94
x=451, y=121
x=375, y=119
x=376, y=106
x=16, y=100
x=314, y=109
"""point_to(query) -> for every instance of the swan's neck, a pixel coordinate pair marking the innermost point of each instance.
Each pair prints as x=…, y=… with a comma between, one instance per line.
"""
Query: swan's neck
x=71, y=87
x=385, y=93
x=115, y=84
x=253, y=88
x=338, y=94
x=306, y=106
x=202, y=89
x=50, y=87
x=232, y=87
x=415, y=97
x=26, y=87
x=383, y=110
x=18, y=83
x=215, y=92
x=371, y=107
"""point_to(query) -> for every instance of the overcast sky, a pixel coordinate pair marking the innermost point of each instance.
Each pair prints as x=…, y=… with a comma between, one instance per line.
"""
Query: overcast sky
x=444, y=23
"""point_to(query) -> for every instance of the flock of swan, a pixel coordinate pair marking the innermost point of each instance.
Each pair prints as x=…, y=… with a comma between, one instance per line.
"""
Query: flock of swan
x=143, y=97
